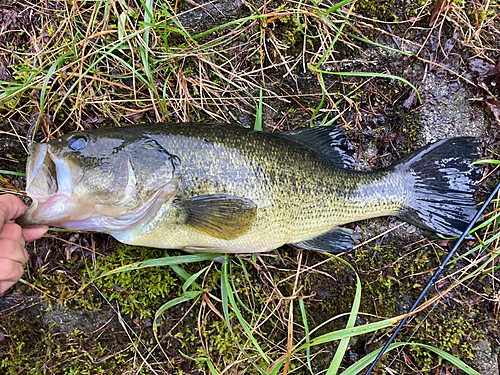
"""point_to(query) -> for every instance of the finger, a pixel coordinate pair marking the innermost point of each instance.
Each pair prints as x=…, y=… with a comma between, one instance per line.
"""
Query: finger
x=31, y=234
x=12, y=250
x=4, y=285
x=12, y=231
x=11, y=207
x=10, y=272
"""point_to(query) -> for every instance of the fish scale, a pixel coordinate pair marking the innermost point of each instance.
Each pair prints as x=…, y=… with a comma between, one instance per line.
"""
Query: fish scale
x=227, y=189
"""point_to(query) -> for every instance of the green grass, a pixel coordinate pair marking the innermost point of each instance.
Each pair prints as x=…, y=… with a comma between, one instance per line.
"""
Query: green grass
x=112, y=63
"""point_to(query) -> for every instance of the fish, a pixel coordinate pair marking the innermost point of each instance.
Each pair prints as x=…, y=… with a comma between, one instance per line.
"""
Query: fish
x=227, y=189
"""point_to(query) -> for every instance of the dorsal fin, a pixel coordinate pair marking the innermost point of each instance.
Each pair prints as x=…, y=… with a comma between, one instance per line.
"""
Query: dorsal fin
x=328, y=141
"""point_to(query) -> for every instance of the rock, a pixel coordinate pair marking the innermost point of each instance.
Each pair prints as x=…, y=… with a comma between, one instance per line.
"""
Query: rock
x=485, y=359
x=448, y=110
x=68, y=320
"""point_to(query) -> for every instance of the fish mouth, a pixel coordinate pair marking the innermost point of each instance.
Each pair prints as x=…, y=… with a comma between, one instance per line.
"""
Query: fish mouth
x=49, y=183
x=41, y=178
x=53, y=183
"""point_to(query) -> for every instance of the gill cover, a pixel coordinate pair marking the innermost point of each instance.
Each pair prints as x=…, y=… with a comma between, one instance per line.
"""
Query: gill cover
x=96, y=181
x=130, y=175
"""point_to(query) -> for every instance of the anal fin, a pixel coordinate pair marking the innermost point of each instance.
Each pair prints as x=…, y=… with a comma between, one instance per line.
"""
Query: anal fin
x=337, y=240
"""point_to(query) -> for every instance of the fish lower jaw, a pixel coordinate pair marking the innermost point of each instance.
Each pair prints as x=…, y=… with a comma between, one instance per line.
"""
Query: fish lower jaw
x=56, y=210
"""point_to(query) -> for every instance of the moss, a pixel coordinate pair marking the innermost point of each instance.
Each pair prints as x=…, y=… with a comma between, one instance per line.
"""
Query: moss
x=59, y=289
x=139, y=292
x=287, y=29
x=377, y=9
x=45, y=351
x=412, y=130
x=445, y=329
x=220, y=339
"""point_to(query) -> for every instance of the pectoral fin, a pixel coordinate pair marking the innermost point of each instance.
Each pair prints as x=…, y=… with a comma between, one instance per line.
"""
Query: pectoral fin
x=221, y=216
x=335, y=241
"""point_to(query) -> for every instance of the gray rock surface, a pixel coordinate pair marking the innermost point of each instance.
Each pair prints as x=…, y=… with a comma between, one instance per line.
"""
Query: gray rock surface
x=448, y=110
x=485, y=359
x=68, y=320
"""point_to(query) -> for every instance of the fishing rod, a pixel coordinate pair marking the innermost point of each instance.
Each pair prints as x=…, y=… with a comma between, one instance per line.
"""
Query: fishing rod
x=434, y=278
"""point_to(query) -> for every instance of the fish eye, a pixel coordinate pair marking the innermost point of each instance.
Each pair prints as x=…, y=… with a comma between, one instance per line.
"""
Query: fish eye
x=77, y=144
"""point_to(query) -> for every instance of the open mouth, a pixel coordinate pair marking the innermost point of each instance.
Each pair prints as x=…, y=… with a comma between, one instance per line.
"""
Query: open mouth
x=64, y=196
x=41, y=174
x=49, y=185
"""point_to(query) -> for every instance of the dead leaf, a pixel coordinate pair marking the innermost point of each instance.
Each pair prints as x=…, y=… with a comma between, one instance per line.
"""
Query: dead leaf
x=8, y=19
x=443, y=243
x=411, y=101
x=479, y=66
x=490, y=83
x=71, y=247
x=440, y=6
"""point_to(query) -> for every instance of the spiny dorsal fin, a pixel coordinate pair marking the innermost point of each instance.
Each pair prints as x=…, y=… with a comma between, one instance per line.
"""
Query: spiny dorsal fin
x=327, y=141
x=219, y=215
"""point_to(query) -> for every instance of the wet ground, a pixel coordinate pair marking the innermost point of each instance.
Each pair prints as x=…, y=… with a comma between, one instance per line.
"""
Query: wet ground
x=107, y=328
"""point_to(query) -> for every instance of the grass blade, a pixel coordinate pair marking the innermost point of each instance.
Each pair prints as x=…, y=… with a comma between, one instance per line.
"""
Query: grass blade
x=366, y=360
x=339, y=354
x=339, y=335
x=20, y=174
x=367, y=74
x=228, y=298
x=258, y=116
x=306, y=333
x=191, y=280
x=158, y=262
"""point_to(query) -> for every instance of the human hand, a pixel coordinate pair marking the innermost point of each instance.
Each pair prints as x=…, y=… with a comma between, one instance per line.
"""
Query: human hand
x=13, y=255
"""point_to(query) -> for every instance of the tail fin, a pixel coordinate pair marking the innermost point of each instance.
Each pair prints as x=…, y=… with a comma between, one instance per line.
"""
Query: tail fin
x=444, y=182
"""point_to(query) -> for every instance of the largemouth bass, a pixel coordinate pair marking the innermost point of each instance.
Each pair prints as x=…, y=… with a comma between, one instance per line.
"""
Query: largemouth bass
x=227, y=189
